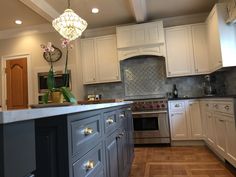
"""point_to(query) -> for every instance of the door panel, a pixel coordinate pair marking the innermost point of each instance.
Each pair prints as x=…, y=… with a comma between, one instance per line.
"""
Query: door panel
x=17, y=88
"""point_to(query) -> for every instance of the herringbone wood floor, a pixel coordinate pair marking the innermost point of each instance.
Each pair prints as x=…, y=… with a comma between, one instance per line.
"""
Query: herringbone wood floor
x=177, y=162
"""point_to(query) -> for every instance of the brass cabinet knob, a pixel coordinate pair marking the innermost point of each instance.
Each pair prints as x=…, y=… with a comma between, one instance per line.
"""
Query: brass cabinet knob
x=88, y=131
x=227, y=107
x=122, y=115
x=89, y=165
x=109, y=121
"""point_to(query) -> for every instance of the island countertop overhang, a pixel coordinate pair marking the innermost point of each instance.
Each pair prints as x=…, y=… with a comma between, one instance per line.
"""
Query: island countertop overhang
x=12, y=116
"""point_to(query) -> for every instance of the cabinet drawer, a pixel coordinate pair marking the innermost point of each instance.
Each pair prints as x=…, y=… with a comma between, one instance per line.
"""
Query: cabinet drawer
x=85, y=134
x=224, y=107
x=110, y=121
x=177, y=105
x=91, y=164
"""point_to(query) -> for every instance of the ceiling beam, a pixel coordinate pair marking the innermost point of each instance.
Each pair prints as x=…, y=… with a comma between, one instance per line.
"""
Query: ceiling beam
x=139, y=9
x=43, y=8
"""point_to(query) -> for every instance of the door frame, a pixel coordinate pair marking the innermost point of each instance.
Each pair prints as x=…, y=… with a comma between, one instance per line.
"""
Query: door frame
x=4, y=79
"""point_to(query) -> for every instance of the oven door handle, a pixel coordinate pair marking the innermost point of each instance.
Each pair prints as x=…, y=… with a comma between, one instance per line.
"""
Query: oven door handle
x=153, y=112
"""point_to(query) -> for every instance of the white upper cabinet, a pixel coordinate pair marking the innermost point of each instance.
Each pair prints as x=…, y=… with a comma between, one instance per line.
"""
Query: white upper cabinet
x=99, y=60
x=221, y=38
x=179, y=55
x=187, y=52
x=88, y=60
x=200, y=49
x=107, y=61
x=140, y=39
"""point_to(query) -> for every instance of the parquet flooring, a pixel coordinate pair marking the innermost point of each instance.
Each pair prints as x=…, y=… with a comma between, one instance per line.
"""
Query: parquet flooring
x=177, y=162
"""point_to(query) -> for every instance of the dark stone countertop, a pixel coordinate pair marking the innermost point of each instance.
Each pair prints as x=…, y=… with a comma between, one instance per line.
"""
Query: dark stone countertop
x=203, y=97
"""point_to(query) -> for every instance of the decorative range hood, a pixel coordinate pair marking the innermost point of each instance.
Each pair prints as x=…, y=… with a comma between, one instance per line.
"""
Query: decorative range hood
x=141, y=39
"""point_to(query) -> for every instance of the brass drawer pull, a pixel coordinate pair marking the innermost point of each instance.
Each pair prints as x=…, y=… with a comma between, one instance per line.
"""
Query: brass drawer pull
x=88, y=131
x=89, y=165
x=110, y=121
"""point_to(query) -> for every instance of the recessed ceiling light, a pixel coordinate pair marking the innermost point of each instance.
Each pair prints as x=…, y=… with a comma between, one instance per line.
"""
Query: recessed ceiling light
x=18, y=22
x=95, y=10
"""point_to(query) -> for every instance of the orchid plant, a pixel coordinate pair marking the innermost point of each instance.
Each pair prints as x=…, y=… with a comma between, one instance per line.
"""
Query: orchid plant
x=51, y=79
x=65, y=43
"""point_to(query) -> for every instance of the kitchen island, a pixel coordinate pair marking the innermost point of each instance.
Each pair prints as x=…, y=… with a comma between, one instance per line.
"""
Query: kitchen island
x=73, y=141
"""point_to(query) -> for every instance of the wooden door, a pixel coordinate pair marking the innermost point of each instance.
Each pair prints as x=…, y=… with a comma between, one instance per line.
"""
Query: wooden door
x=17, y=87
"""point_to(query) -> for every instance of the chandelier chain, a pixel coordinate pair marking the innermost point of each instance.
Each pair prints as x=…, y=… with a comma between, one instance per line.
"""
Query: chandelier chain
x=68, y=4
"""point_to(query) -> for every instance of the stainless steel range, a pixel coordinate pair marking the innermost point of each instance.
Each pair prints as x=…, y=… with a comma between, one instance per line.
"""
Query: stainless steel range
x=151, y=125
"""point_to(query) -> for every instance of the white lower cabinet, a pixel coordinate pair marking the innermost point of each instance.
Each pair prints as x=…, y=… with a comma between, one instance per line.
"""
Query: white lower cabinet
x=210, y=130
x=231, y=141
x=179, y=126
x=220, y=127
x=185, y=120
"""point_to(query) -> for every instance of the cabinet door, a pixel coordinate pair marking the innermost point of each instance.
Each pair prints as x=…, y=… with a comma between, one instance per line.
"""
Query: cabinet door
x=88, y=61
x=107, y=59
x=179, y=51
x=195, y=119
x=112, y=156
x=214, y=42
x=200, y=48
x=220, y=127
x=203, y=108
x=210, y=133
x=231, y=143
x=179, y=126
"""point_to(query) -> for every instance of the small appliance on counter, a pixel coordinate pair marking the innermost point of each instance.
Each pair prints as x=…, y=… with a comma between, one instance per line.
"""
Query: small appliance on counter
x=94, y=97
x=209, y=85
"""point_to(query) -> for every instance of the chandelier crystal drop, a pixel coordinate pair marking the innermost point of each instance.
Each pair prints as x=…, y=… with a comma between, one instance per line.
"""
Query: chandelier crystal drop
x=69, y=25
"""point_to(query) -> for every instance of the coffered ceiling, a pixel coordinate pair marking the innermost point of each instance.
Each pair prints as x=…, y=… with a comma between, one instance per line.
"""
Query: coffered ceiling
x=112, y=12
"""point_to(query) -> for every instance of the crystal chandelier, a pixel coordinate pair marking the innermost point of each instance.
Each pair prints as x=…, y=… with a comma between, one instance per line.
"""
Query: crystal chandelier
x=69, y=24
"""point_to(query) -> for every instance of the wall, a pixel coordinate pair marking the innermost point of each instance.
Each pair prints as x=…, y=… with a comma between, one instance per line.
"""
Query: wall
x=30, y=44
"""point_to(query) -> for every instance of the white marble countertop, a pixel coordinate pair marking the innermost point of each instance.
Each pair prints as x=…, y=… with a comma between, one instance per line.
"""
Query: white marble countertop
x=29, y=114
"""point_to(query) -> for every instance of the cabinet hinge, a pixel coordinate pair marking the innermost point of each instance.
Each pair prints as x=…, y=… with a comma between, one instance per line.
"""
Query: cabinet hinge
x=6, y=102
x=5, y=70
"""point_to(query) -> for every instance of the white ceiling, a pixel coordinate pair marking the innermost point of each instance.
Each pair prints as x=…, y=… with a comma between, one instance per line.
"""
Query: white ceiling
x=112, y=12
x=10, y=10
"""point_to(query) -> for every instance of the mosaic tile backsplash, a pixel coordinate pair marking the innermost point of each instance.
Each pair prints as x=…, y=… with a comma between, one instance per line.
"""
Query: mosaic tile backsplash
x=145, y=77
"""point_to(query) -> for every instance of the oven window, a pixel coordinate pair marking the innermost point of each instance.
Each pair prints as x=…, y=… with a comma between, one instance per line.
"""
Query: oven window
x=146, y=124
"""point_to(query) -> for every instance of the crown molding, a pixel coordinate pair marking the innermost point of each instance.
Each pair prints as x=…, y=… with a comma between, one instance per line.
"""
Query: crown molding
x=12, y=33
